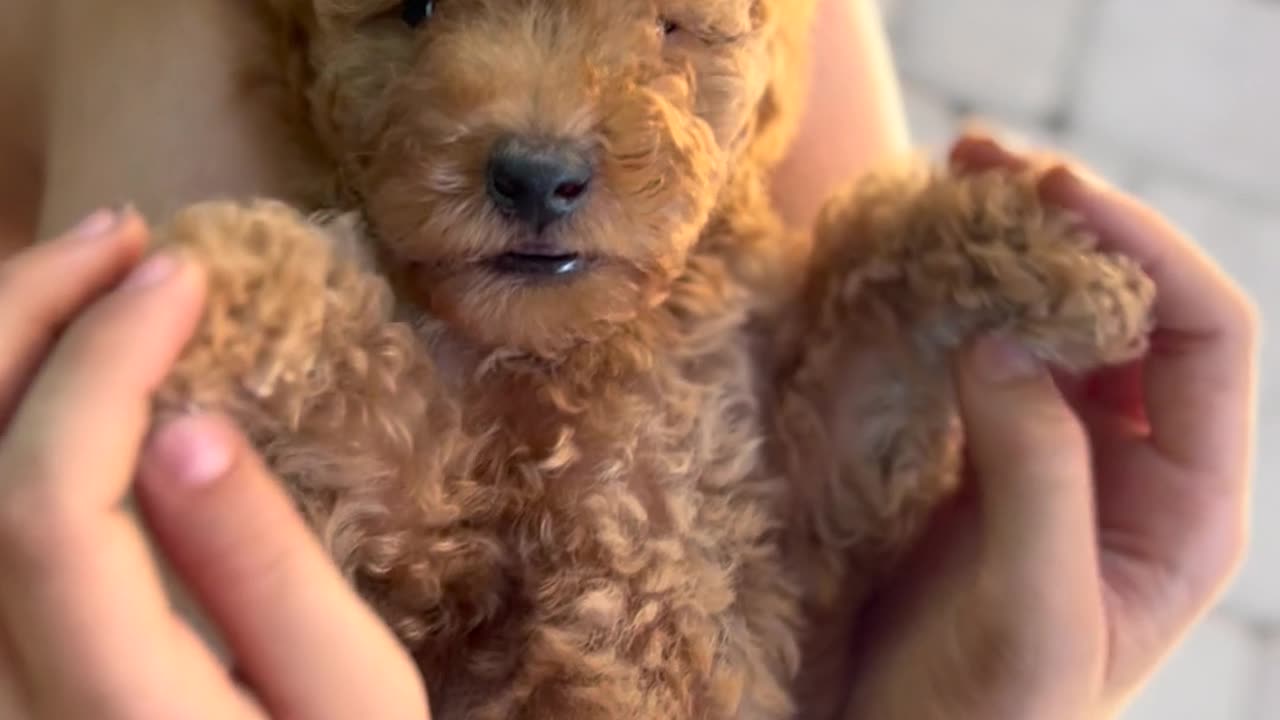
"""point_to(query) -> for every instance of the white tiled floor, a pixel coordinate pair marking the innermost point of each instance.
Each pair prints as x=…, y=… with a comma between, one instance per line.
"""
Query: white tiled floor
x=1179, y=102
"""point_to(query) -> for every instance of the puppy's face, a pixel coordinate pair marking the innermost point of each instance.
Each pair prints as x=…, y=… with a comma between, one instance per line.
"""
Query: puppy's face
x=538, y=169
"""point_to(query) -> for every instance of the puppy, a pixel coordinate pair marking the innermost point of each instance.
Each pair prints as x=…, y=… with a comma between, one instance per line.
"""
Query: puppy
x=595, y=435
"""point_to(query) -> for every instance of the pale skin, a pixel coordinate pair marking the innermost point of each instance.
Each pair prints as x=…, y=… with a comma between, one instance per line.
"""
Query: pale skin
x=1162, y=452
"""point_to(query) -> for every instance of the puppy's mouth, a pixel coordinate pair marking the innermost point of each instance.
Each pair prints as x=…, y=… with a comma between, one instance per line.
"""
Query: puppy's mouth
x=539, y=265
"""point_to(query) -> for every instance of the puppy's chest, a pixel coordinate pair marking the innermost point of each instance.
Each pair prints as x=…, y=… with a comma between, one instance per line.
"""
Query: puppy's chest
x=633, y=494
x=634, y=518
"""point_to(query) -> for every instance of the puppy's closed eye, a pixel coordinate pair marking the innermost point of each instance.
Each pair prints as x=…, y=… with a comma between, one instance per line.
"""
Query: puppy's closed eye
x=703, y=33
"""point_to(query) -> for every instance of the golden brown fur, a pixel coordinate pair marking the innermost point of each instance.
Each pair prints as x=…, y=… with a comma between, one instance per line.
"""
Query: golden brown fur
x=631, y=493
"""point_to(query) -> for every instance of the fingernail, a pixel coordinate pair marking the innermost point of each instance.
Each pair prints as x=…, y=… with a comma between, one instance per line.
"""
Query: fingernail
x=189, y=452
x=983, y=152
x=982, y=143
x=1000, y=361
x=98, y=224
x=975, y=130
x=153, y=271
x=1062, y=184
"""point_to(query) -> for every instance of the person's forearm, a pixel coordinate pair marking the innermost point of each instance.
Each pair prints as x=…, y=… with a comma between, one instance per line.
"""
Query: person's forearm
x=145, y=106
x=854, y=117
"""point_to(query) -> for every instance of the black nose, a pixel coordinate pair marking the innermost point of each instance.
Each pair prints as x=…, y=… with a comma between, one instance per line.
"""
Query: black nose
x=538, y=184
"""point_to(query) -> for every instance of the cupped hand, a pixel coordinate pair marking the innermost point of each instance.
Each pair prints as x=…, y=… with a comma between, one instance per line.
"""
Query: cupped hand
x=86, y=627
x=1103, y=515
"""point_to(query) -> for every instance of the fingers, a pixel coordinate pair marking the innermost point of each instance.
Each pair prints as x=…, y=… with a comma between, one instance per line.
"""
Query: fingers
x=94, y=391
x=978, y=153
x=301, y=637
x=1200, y=378
x=1031, y=460
x=41, y=288
x=78, y=589
x=1173, y=435
x=1201, y=374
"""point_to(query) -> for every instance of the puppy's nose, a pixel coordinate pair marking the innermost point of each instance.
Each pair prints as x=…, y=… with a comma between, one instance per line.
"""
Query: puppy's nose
x=538, y=184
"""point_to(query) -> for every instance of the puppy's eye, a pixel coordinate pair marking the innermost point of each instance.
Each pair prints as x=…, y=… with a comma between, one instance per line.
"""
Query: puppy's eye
x=668, y=27
x=416, y=12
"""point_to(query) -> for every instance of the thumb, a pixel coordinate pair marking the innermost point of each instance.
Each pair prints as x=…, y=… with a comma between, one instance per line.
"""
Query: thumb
x=1031, y=458
x=299, y=634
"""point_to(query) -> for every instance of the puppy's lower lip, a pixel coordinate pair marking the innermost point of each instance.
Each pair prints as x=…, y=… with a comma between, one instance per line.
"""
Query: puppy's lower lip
x=539, y=265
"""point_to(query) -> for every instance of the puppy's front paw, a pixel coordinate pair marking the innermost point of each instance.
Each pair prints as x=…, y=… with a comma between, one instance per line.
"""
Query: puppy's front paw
x=270, y=278
x=953, y=257
x=1038, y=275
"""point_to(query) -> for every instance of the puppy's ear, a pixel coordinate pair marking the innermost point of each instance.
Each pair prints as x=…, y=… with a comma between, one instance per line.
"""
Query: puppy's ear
x=291, y=24
x=790, y=23
x=277, y=79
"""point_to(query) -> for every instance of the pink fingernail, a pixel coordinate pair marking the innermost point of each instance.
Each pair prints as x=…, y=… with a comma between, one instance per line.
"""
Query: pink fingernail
x=984, y=153
x=190, y=452
x=1000, y=361
x=975, y=129
x=98, y=224
x=1062, y=184
x=153, y=271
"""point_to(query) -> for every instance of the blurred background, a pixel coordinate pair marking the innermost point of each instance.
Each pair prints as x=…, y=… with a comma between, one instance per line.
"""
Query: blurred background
x=1177, y=101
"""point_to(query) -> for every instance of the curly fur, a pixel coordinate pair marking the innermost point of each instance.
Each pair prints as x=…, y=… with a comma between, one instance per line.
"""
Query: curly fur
x=634, y=493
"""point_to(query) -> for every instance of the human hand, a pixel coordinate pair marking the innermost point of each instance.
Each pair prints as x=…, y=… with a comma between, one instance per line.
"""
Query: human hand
x=86, y=629
x=1104, y=514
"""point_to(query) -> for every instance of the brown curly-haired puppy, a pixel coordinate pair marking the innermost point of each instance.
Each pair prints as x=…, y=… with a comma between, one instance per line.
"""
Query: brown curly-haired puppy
x=591, y=431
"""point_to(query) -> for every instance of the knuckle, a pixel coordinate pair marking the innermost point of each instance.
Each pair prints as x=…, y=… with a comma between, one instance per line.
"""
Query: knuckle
x=1055, y=454
x=93, y=335
x=1247, y=317
x=1054, y=432
x=1073, y=441
x=1059, y=421
x=37, y=521
x=1235, y=549
x=1036, y=435
x=1017, y=646
x=1227, y=545
x=272, y=569
x=1000, y=651
x=40, y=514
x=259, y=565
x=1191, y=573
x=16, y=277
